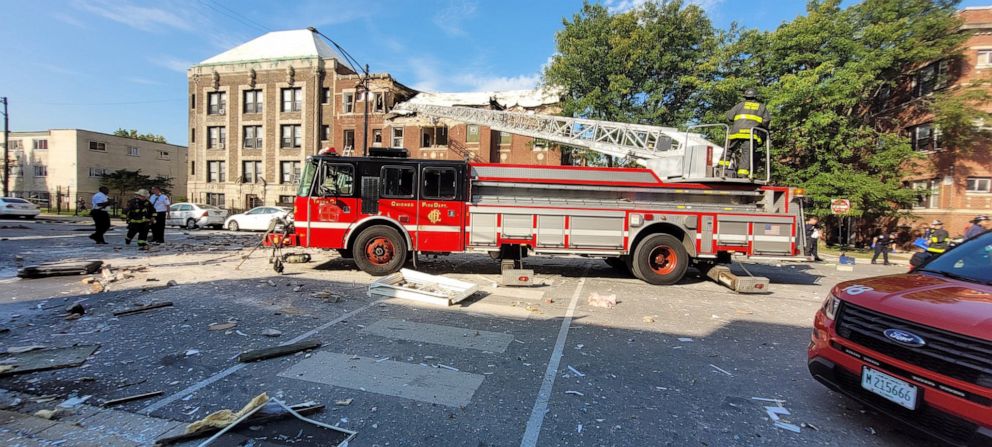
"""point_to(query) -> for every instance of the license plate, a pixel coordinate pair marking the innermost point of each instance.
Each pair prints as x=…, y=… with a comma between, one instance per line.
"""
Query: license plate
x=891, y=388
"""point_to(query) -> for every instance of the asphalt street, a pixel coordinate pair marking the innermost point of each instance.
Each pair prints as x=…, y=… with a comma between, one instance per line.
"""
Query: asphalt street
x=678, y=365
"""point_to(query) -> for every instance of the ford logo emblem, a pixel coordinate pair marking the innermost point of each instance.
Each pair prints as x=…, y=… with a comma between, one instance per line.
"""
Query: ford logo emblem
x=905, y=338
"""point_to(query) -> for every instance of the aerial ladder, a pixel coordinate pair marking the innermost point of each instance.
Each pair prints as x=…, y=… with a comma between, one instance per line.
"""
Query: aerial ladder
x=673, y=154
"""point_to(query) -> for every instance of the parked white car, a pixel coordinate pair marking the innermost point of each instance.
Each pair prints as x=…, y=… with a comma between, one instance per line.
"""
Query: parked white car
x=258, y=218
x=14, y=207
x=192, y=215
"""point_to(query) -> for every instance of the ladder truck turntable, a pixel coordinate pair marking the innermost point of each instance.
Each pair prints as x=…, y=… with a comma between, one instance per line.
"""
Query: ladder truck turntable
x=385, y=208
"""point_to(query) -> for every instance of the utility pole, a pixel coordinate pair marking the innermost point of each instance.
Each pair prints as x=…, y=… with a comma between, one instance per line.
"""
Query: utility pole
x=365, y=133
x=6, y=149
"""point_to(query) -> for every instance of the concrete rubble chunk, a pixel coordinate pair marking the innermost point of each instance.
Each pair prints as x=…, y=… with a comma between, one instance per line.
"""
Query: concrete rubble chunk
x=271, y=333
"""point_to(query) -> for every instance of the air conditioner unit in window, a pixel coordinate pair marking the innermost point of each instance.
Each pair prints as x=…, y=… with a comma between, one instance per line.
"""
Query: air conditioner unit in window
x=221, y=111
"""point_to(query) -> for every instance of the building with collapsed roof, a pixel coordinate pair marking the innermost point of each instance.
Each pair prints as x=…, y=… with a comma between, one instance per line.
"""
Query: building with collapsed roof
x=258, y=110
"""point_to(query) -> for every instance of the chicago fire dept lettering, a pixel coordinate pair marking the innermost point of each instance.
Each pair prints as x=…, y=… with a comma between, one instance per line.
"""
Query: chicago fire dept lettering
x=401, y=204
x=434, y=216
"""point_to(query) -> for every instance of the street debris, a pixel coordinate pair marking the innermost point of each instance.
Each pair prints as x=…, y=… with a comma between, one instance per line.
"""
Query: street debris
x=343, y=402
x=277, y=351
x=264, y=416
x=786, y=426
x=192, y=352
x=74, y=402
x=605, y=301
x=573, y=392
x=413, y=285
x=121, y=400
x=649, y=318
x=46, y=359
x=45, y=270
x=271, y=332
x=222, y=326
x=296, y=258
x=23, y=349
x=326, y=295
x=575, y=371
x=171, y=283
x=450, y=368
x=143, y=308
x=721, y=370
x=686, y=339
x=49, y=414
x=223, y=418
x=75, y=308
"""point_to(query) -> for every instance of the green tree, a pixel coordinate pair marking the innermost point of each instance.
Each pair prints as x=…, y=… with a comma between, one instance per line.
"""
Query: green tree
x=133, y=133
x=122, y=183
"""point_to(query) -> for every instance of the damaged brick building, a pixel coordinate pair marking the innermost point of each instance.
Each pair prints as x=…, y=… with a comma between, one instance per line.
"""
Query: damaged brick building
x=258, y=110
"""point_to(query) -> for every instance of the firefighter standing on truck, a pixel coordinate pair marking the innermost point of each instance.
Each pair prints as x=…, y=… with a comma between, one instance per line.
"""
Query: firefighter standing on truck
x=139, y=214
x=939, y=238
x=745, y=116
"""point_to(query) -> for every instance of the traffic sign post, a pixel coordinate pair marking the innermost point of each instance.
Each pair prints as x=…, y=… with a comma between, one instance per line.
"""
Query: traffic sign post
x=840, y=206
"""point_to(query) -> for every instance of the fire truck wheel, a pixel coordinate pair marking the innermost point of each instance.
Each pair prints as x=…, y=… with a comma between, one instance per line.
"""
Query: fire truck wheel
x=660, y=259
x=380, y=250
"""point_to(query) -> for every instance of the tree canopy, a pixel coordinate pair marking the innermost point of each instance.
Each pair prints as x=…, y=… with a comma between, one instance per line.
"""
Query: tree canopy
x=822, y=75
x=133, y=133
x=122, y=182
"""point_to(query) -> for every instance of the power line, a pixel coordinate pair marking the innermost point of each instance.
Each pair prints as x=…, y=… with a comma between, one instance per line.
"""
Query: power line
x=234, y=15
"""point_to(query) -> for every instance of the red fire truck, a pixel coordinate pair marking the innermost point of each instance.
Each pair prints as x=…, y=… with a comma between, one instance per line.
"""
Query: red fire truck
x=382, y=209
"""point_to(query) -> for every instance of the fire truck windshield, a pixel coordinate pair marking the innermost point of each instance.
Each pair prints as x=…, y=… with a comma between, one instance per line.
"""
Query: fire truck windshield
x=306, y=181
x=335, y=179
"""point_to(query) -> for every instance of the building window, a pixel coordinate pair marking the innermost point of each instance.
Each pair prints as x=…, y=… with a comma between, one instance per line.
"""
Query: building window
x=252, y=137
x=216, y=171
x=215, y=199
x=349, y=139
x=133, y=151
x=192, y=101
x=979, y=184
x=290, y=136
x=98, y=146
x=377, y=137
x=40, y=171
x=216, y=137
x=379, y=102
x=289, y=172
x=325, y=132
x=434, y=136
x=932, y=77
x=251, y=171
x=471, y=133
x=928, y=193
x=192, y=135
x=397, y=140
x=39, y=144
x=286, y=200
x=924, y=137
x=97, y=172
x=16, y=144
x=163, y=155
x=984, y=59
x=505, y=138
x=326, y=95
x=292, y=99
x=397, y=182
x=192, y=167
x=217, y=103
x=253, y=101
x=349, y=102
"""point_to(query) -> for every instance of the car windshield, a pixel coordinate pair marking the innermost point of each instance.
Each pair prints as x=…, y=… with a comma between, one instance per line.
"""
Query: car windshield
x=13, y=200
x=972, y=261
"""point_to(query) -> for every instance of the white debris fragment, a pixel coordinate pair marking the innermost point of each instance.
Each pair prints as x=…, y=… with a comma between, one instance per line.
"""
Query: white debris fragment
x=785, y=426
x=686, y=339
x=574, y=393
x=192, y=352
x=774, y=412
x=74, y=401
x=605, y=301
x=271, y=332
x=575, y=371
x=447, y=367
x=721, y=370
x=579, y=428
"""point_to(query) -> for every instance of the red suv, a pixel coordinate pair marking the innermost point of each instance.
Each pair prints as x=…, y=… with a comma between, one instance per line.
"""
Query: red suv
x=916, y=346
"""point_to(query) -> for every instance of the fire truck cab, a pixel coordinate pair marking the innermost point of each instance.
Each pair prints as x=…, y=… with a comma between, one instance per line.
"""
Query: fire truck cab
x=382, y=209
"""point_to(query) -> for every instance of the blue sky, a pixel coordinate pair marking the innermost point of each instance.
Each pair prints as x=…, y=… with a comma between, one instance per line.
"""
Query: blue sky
x=104, y=64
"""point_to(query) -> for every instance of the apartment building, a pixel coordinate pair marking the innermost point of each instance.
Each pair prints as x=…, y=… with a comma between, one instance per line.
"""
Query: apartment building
x=56, y=167
x=258, y=110
x=954, y=183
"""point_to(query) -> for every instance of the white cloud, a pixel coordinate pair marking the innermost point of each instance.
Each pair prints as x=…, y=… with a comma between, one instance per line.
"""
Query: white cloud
x=140, y=80
x=69, y=20
x=450, y=18
x=144, y=18
x=429, y=75
x=619, y=6
x=172, y=63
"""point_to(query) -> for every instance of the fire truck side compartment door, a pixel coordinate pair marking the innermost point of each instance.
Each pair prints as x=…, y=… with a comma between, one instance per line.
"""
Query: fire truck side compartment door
x=596, y=231
x=706, y=235
x=550, y=231
x=370, y=195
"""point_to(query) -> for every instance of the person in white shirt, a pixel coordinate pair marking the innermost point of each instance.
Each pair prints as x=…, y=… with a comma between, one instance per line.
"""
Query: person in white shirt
x=100, y=216
x=161, y=203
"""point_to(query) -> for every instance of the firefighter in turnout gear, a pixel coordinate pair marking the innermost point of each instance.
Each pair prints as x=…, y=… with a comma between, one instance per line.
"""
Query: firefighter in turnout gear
x=745, y=116
x=939, y=238
x=139, y=214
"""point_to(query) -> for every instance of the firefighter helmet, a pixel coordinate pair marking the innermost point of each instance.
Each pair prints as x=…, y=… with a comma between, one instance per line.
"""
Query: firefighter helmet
x=750, y=94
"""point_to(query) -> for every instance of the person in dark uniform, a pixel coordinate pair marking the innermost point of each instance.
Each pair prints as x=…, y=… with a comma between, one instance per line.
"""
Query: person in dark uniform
x=979, y=225
x=101, y=219
x=745, y=116
x=881, y=244
x=939, y=238
x=812, y=238
x=139, y=214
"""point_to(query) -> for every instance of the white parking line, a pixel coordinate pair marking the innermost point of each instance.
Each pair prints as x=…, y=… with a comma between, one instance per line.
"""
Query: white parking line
x=159, y=404
x=533, y=430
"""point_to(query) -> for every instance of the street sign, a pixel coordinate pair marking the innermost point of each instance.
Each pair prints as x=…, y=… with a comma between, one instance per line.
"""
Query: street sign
x=840, y=206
